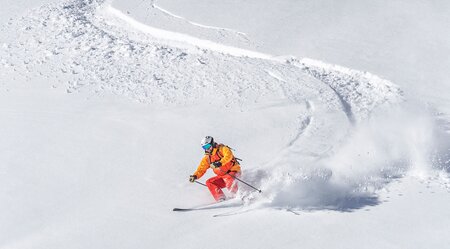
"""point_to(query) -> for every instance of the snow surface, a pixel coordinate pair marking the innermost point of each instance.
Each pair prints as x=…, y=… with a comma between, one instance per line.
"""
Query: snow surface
x=103, y=104
x=405, y=41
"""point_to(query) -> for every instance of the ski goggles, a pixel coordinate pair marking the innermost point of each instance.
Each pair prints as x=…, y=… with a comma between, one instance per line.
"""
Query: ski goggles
x=206, y=146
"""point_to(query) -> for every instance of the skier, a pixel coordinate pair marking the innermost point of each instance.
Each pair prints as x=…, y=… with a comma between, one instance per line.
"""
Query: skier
x=220, y=158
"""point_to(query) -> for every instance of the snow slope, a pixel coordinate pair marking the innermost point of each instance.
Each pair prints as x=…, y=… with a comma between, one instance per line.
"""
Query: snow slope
x=404, y=41
x=101, y=117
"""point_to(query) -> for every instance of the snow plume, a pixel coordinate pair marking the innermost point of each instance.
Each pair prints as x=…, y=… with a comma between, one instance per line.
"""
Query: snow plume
x=393, y=142
x=403, y=139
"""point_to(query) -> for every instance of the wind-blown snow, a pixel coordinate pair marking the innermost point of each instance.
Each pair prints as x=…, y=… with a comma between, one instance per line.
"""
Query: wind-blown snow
x=391, y=144
x=133, y=101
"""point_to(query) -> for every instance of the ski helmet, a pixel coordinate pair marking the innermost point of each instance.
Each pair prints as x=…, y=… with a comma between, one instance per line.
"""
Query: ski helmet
x=207, y=142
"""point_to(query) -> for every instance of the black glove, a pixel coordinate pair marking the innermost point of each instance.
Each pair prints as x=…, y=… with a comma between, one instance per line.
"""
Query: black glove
x=192, y=178
x=216, y=164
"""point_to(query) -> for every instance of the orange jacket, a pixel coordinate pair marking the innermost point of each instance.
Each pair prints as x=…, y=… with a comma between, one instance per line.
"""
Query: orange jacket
x=220, y=153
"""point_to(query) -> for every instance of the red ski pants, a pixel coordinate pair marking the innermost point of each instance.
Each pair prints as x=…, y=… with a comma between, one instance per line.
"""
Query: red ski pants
x=216, y=183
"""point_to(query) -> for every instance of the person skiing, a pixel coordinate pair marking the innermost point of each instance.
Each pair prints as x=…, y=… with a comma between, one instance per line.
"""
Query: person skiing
x=220, y=158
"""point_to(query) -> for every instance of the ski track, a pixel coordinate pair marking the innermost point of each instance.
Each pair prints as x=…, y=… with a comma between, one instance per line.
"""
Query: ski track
x=154, y=5
x=359, y=92
x=304, y=124
x=90, y=46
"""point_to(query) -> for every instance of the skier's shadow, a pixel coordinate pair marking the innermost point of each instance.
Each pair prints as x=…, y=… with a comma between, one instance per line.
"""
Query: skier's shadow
x=351, y=204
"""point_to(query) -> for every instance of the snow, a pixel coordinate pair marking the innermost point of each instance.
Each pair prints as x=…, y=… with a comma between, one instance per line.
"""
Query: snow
x=103, y=105
x=177, y=37
x=403, y=41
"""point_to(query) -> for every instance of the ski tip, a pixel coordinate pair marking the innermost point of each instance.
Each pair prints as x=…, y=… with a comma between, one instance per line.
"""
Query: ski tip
x=182, y=209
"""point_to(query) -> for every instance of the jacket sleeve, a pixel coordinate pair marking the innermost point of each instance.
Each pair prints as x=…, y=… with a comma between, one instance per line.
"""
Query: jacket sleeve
x=202, y=167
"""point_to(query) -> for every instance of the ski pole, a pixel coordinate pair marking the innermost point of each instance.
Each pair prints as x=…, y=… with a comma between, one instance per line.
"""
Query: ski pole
x=259, y=190
x=201, y=183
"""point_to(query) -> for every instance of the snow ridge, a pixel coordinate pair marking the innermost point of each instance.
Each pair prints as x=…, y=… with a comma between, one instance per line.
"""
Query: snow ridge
x=183, y=38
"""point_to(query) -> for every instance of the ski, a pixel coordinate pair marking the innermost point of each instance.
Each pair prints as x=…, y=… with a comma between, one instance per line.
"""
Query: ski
x=184, y=209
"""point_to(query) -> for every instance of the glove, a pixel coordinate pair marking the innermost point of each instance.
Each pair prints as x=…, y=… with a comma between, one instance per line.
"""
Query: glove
x=216, y=164
x=192, y=178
